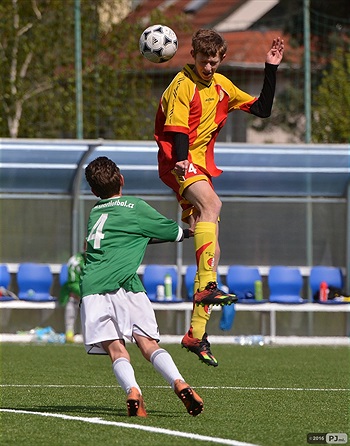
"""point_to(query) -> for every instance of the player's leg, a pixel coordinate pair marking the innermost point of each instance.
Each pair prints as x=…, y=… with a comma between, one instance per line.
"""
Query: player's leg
x=196, y=195
x=145, y=333
x=165, y=365
x=201, y=206
x=201, y=314
x=208, y=205
x=195, y=340
x=70, y=316
x=125, y=375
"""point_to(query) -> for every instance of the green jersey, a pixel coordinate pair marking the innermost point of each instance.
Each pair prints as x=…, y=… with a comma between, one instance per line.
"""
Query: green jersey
x=75, y=268
x=119, y=230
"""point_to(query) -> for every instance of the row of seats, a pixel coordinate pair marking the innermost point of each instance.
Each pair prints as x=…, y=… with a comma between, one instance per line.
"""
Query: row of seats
x=285, y=283
x=34, y=282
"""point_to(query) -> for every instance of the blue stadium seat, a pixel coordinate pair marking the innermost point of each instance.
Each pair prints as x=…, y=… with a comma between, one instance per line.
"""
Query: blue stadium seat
x=241, y=280
x=154, y=275
x=34, y=282
x=5, y=279
x=285, y=285
x=190, y=275
x=63, y=278
x=330, y=274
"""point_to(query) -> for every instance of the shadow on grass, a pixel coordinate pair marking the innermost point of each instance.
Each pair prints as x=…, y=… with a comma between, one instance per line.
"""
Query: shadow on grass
x=93, y=411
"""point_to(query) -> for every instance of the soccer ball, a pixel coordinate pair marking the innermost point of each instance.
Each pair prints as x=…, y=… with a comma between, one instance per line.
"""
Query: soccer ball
x=158, y=43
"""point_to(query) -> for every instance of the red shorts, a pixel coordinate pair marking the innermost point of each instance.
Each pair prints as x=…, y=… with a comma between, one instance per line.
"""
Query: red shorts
x=179, y=183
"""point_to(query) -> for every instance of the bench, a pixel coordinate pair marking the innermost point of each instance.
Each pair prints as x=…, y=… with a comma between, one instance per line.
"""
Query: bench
x=184, y=310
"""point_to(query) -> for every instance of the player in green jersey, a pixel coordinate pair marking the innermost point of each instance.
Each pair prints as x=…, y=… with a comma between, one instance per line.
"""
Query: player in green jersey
x=70, y=293
x=114, y=305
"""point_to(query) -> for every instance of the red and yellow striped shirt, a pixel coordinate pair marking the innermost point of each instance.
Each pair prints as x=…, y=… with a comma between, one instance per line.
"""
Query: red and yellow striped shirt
x=198, y=108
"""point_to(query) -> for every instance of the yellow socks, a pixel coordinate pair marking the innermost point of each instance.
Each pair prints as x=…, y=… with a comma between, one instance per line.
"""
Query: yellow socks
x=200, y=315
x=205, y=244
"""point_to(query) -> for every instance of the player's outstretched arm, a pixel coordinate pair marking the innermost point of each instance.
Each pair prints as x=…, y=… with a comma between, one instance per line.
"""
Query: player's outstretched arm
x=275, y=54
x=263, y=106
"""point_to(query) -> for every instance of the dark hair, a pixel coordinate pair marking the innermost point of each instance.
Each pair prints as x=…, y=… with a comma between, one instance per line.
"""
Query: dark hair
x=209, y=42
x=104, y=177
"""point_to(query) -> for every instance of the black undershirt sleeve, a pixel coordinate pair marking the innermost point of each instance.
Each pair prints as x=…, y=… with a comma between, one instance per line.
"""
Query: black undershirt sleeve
x=263, y=106
x=155, y=241
x=181, y=144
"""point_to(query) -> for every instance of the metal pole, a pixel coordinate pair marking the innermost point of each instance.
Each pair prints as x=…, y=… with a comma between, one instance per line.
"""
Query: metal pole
x=307, y=71
x=77, y=237
x=348, y=240
x=179, y=257
x=78, y=72
x=307, y=101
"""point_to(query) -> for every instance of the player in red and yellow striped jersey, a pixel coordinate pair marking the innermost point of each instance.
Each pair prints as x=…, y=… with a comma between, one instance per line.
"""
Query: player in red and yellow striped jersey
x=191, y=113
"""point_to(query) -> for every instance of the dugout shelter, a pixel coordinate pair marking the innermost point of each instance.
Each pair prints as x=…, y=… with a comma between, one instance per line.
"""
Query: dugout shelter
x=282, y=203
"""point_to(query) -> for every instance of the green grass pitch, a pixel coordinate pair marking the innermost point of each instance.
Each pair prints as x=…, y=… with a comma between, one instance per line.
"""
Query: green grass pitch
x=58, y=395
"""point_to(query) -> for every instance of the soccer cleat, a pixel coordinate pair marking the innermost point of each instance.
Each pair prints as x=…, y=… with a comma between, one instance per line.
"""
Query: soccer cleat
x=135, y=404
x=199, y=347
x=212, y=295
x=192, y=401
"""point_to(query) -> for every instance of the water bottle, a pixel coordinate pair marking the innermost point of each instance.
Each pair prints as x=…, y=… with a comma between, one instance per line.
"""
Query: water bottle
x=258, y=290
x=30, y=293
x=250, y=340
x=160, y=292
x=323, y=291
x=56, y=338
x=48, y=334
x=168, y=287
x=43, y=334
x=257, y=340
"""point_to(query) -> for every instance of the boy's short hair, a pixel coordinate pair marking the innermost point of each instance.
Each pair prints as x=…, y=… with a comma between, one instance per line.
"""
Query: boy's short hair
x=104, y=177
x=209, y=42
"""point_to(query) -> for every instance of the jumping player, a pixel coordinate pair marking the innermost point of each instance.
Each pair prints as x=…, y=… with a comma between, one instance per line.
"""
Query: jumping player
x=192, y=111
x=114, y=305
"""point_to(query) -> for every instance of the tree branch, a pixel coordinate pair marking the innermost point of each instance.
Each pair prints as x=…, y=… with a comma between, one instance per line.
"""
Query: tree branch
x=25, y=65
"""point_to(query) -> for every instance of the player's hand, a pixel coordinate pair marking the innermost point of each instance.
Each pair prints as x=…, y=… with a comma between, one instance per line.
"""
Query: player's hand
x=181, y=168
x=275, y=55
x=188, y=232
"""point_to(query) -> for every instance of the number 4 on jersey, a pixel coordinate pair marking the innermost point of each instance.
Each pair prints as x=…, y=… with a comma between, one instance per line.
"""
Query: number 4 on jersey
x=192, y=169
x=96, y=233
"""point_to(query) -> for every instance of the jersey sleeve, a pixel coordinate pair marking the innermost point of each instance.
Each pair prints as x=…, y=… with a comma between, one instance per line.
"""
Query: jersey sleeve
x=155, y=225
x=176, y=105
x=239, y=99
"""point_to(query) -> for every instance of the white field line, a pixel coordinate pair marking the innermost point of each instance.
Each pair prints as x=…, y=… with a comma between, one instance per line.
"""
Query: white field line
x=289, y=389
x=155, y=430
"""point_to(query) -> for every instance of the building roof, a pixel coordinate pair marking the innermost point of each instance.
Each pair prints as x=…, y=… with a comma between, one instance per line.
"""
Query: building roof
x=246, y=47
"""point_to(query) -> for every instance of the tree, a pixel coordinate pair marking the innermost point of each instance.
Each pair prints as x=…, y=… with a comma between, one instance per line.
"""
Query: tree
x=331, y=112
x=18, y=53
x=329, y=29
x=38, y=71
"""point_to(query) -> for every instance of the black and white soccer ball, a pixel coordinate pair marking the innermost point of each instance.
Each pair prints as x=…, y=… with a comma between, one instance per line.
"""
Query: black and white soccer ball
x=158, y=43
